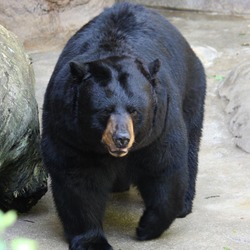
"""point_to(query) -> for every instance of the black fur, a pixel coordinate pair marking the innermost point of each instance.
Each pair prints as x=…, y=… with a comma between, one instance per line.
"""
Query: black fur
x=128, y=60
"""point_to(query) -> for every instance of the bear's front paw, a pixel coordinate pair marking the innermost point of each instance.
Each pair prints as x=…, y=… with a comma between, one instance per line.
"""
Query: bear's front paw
x=82, y=243
x=152, y=224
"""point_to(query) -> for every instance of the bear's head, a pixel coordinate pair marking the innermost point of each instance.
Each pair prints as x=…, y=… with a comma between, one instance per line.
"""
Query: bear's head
x=115, y=102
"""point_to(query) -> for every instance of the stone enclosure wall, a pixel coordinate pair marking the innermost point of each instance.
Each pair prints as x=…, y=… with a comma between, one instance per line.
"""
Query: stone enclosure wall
x=234, y=7
x=38, y=22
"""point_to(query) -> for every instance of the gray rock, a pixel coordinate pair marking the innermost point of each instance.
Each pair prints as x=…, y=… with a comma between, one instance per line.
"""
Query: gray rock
x=235, y=92
x=22, y=178
x=206, y=54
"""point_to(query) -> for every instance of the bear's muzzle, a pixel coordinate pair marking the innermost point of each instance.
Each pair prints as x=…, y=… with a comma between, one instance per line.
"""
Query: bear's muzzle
x=118, y=136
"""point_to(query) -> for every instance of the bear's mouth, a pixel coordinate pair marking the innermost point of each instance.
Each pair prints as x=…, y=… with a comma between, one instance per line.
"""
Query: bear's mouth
x=119, y=152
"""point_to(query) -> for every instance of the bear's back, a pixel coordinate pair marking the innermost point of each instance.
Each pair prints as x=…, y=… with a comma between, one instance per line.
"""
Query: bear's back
x=130, y=30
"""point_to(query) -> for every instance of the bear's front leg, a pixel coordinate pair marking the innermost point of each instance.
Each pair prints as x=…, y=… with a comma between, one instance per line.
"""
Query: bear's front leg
x=163, y=198
x=91, y=240
x=162, y=182
x=80, y=196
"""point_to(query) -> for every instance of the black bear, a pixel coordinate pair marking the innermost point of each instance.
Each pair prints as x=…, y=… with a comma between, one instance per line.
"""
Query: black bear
x=124, y=106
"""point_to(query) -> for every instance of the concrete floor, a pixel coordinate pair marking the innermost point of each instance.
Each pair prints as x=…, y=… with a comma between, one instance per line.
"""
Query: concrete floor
x=221, y=214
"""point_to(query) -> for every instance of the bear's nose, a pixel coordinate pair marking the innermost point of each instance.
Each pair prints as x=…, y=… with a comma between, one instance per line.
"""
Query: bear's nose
x=121, y=140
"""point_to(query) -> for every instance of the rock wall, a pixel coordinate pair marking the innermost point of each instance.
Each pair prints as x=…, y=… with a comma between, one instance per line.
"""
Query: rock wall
x=218, y=6
x=51, y=22
x=39, y=22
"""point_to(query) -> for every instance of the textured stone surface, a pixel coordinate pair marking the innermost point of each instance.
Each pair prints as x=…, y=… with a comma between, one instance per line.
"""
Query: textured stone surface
x=235, y=91
x=22, y=177
x=218, y=6
x=38, y=22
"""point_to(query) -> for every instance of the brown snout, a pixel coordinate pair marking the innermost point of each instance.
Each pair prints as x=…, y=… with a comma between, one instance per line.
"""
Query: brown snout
x=119, y=135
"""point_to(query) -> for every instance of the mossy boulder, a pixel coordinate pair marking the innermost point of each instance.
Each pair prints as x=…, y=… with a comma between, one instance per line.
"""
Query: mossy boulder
x=23, y=180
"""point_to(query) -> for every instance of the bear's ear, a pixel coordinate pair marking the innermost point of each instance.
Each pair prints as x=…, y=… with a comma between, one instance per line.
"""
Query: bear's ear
x=79, y=71
x=154, y=67
x=142, y=69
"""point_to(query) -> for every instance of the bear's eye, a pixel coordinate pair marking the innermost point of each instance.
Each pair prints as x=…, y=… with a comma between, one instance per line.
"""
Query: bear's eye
x=133, y=112
x=108, y=111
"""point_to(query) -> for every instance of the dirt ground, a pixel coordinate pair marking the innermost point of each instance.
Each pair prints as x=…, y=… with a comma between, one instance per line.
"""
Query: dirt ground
x=221, y=213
